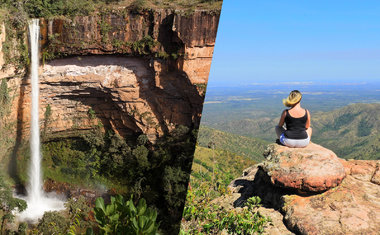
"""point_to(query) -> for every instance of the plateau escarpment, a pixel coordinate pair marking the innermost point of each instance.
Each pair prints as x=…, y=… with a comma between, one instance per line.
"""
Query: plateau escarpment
x=134, y=72
x=314, y=190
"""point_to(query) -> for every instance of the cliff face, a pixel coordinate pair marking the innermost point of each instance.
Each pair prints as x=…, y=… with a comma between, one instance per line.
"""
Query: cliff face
x=133, y=72
x=189, y=39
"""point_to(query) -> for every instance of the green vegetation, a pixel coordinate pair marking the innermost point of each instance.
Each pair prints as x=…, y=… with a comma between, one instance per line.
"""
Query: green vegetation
x=123, y=217
x=91, y=114
x=6, y=123
x=8, y=204
x=15, y=48
x=212, y=171
x=351, y=132
x=252, y=148
x=139, y=5
x=201, y=87
x=79, y=215
x=143, y=46
x=120, y=216
x=158, y=172
x=51, y=8
x=213, y=219
x=70, y=8
x=105, y=28
x=52, y=222
x=4, y=93
x=47, y=116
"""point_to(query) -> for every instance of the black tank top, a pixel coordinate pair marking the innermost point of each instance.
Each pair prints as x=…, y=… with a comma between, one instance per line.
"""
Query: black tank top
x=295, y=127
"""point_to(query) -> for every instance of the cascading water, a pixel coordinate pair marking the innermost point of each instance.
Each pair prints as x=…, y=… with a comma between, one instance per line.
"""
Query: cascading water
x=38, y=202
x=35, y=181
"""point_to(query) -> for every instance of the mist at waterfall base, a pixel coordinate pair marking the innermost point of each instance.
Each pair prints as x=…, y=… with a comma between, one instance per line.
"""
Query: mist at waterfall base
x=37, y=200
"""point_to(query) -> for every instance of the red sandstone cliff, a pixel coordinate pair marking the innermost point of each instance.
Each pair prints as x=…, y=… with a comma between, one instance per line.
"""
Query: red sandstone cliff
x=138, y=72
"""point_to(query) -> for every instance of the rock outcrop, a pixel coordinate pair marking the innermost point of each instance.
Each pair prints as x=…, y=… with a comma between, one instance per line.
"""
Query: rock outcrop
x=310, y=169
x=351, y=207
x=121, y=93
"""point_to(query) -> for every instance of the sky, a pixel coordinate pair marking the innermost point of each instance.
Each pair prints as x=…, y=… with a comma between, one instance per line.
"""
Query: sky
x=297, y=41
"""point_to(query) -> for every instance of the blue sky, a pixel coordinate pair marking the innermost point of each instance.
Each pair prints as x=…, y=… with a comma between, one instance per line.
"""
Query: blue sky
x=288, y=41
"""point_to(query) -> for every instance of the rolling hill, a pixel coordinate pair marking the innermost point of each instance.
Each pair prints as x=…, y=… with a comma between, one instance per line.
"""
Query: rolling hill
x=351, y=132
x=251, y=148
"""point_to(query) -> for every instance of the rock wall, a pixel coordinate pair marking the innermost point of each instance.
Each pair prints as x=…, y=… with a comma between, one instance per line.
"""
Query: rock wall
x=135, y=72
x=189, y=38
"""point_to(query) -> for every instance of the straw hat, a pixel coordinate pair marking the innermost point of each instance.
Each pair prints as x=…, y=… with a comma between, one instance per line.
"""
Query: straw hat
x=293, y=98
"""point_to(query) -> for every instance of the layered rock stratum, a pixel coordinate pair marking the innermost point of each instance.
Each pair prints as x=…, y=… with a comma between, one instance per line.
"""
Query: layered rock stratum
x=134, y=72
x=349, y=205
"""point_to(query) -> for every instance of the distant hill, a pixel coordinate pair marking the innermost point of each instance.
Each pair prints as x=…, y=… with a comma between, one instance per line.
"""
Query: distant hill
x=251, y=148
x=351, y=132
x=262, y=128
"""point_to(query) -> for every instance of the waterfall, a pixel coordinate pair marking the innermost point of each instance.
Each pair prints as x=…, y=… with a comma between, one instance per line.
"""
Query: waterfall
x=38, y=201
x=35, y=180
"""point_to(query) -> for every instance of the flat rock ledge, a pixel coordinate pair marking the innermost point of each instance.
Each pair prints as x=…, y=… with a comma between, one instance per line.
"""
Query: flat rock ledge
x=312, y=169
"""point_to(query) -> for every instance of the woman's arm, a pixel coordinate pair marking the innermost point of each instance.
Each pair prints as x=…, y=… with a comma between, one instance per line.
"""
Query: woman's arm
x=282, y=119
x=308, y=119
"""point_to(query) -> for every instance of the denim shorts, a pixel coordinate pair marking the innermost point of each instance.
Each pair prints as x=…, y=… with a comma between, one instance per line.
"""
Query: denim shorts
x=293, y=143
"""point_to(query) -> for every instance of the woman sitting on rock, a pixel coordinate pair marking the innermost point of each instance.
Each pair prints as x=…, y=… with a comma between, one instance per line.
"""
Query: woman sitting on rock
x=298, y=131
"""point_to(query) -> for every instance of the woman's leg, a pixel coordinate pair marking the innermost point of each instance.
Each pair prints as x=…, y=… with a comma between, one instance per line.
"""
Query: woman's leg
x=279, y=131
x=294, y=143
x=309, y=131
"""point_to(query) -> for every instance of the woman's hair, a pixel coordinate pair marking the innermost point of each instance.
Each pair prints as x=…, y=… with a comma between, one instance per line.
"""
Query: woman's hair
x=293, y=98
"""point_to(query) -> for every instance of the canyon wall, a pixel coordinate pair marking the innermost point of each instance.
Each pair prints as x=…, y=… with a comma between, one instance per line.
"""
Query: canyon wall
x=135, y=72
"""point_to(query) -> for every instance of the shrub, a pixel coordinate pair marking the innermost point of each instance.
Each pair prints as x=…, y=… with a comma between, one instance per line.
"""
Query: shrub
x=52, y=222
x=124, y=217
x=138, y=5
x=22, y=228
x=8, y=204
x=4, y=94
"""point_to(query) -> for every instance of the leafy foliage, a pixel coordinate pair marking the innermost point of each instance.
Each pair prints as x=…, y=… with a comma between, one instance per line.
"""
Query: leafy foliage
x=52, y=222
x=4, y=94
x=124, y=217
x=79, y=213
x=8, y=204
x=213, y=219
x=14, y=47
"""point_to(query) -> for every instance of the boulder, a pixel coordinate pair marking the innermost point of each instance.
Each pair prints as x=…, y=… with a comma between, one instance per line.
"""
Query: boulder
x=312, y=169
x=351, y=208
